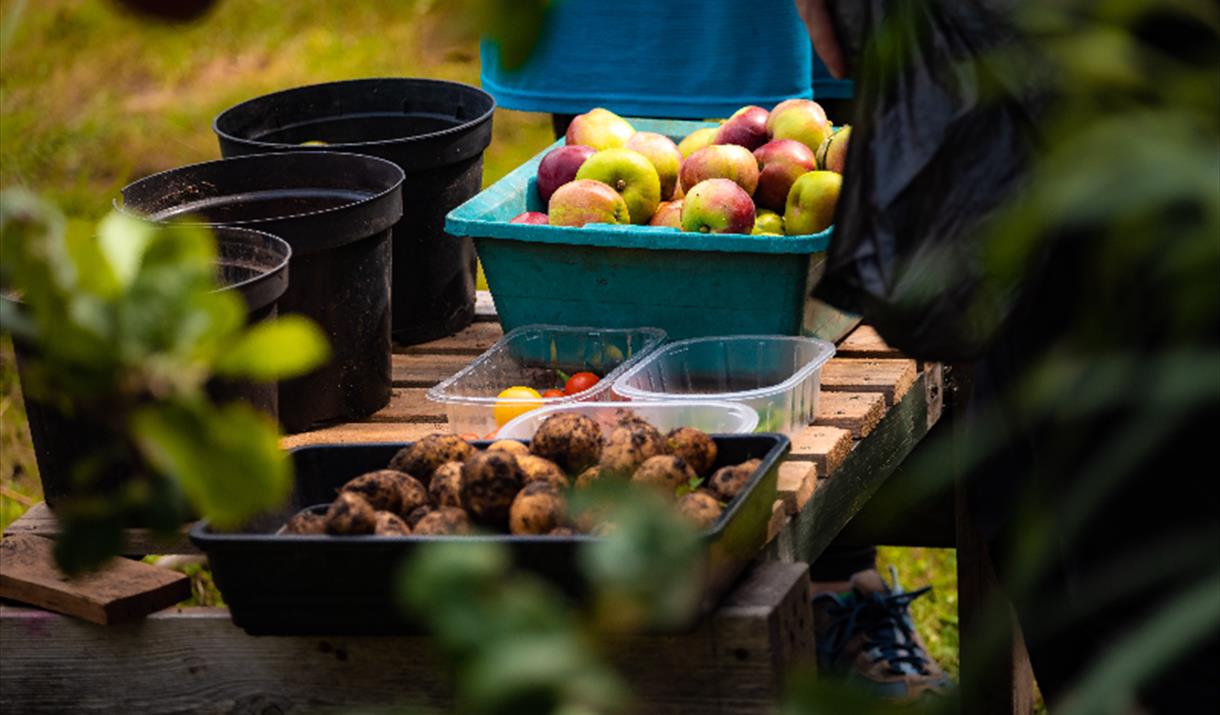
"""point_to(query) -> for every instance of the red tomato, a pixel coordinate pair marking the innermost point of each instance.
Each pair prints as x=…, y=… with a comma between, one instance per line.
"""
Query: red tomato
x=580, y=382
x=553, y=392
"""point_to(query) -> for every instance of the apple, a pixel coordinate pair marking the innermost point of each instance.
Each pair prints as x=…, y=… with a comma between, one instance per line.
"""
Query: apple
x=811, y=203
x=664, y=155
x=781, y=161
x=579, y=202
x=536, y=217
x=630, y=174
x=600, y=129
x=678, y=191
x=832, y=155
x=721, y=161
x=696, y=140
x=800, y=119
x=559, y=166
x=669, y=213
x=768, y=222
x=747, y=127
x=717, y=206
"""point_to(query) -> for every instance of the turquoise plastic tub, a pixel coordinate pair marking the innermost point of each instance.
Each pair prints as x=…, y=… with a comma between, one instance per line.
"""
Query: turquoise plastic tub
x=687, y=284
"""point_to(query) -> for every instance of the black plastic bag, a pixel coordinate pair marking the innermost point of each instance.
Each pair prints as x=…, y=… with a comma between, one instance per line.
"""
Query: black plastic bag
x=947, y=100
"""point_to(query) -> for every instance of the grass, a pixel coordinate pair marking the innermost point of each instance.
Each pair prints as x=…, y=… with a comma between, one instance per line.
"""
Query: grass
x=91, y=99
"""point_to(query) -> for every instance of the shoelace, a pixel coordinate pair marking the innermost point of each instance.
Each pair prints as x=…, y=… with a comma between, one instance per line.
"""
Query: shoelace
x=885, y=623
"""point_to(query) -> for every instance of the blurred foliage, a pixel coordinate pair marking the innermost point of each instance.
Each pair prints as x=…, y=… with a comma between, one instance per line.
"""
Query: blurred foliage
x=121, y=330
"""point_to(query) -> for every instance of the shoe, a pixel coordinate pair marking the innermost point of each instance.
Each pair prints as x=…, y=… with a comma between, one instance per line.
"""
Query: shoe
x=865, y=636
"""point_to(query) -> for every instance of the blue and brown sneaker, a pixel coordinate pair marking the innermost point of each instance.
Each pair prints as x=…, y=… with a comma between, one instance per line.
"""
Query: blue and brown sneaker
x=865, y=636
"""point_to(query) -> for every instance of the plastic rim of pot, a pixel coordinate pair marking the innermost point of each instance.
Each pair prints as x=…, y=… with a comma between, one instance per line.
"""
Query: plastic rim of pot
x=336, y=210
x=436, y=131
x=253, y=263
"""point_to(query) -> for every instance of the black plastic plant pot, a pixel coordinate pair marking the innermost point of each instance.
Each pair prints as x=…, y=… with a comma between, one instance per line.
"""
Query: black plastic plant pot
x=435, y=131
x=336, y=211
x=253, y=263
x=336, y=585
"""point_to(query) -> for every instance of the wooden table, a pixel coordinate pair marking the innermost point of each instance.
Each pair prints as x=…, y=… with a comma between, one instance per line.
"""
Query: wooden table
x=875, y=407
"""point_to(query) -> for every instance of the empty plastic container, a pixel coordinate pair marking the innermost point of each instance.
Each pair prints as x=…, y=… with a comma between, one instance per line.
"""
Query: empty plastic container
x=533, y=356
x=711, y=417
x=779, y=376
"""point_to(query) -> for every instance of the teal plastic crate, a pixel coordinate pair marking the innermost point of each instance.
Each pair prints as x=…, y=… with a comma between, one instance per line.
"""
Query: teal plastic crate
x=613, y=276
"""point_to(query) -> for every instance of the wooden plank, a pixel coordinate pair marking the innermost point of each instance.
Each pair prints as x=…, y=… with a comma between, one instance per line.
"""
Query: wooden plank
x=471, y=341
x=934, y=385
x=40, y=521
x=123, y=590
x=870, y=463
x=865, y=342
x=195, y=660
x=425, y=370
x=364, y=433
x=796, y=483
x=825, y=446
x=858, y=412
x=778, y=520
x=409, y=404
x=890, y=377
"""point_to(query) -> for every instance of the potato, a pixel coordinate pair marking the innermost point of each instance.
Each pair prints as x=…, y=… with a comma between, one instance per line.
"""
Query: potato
x=413, y=518
x=447, y=521
x=665, y=472
x=572, y=441
x=695, y=446
x=349, y=514
x=511, y=446
x=538, y=508
x=446, y=486
x=413, y=494
x=628, y=446
x=490, y=482
x=728, y=481
x=562, y=531
x=305, y=523
x=381, y=489
x=388, y=524
x=535, y=468
x=700, y=507
x=421, y=459
x=588, y=477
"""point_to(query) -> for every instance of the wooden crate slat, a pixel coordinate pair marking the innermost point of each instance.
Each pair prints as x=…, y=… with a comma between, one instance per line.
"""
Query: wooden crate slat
x=796, y=483
x=123, y=590
x=891, y=377
x=858, y=412
x=825, y=446
x=417, y=370
x=865, y=342
x=40, y=521
x=471, y=341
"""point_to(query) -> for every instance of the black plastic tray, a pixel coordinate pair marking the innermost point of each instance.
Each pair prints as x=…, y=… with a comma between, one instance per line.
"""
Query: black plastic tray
x=323, y=585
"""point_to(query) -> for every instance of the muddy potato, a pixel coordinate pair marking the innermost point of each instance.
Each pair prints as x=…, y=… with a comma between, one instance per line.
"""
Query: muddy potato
x=700, y=507
x=628, y=446
x=413, y=518
x=445, y=489
x=535, y=469
x=572, y=441
x=490, y=482
x=538, y=508
x=443, y=522
x=588, y=477
x=511, y=446
x=562, y=531
x=389, y=524
x=728, y=481
x=381, y=489
x=665, y=472
x=350, y=514
x=305, y=523
x=413, y=494
x=421, y=459
x=695, y=446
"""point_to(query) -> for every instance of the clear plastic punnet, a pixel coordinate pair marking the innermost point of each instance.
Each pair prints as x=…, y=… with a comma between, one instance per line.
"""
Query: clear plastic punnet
x=779, y=376
x=710, y=416
x=540, y=357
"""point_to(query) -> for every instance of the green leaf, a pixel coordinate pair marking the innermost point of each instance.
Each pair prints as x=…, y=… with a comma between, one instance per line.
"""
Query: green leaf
x=122, y=241
x=226, y=459
x=275, y=349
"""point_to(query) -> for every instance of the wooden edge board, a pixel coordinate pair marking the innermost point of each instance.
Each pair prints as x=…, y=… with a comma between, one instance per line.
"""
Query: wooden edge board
x=823, y=445
x=858, y=412
x=779, y=518
x=40, y=521
x=796, y=483
x=865, y=342
x=890, y=377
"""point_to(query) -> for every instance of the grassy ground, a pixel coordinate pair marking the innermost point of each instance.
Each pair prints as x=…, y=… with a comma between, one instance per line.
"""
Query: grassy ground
x=91, y=99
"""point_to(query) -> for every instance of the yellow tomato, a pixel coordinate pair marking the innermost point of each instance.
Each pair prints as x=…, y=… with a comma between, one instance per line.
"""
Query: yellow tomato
x=514, y=402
